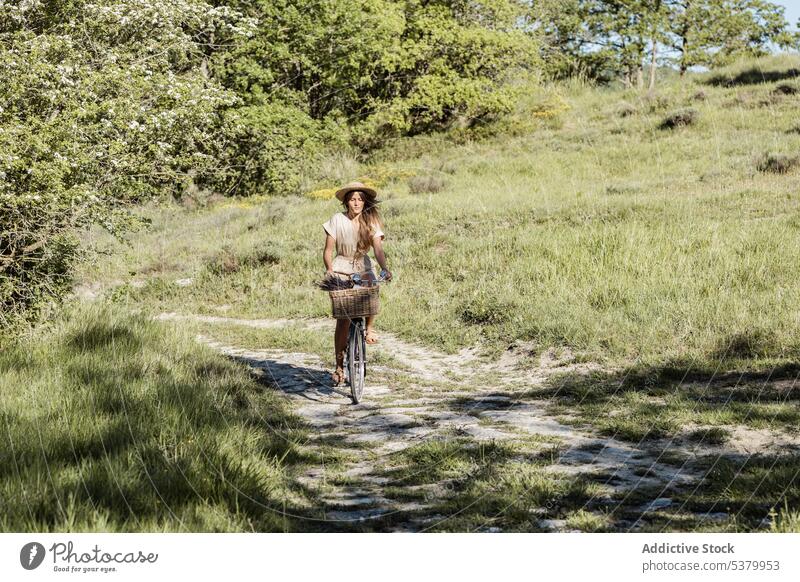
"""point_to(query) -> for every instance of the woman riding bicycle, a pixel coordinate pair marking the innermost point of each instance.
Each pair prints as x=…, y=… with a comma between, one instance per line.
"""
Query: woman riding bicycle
x=352, y=232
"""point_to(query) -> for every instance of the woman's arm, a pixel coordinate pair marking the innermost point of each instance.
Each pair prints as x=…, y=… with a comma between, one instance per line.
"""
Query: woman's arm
x=377, y=244
x=327, y=254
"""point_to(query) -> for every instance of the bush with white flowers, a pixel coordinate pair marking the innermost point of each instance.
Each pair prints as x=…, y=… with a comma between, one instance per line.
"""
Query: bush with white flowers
x=102, y=104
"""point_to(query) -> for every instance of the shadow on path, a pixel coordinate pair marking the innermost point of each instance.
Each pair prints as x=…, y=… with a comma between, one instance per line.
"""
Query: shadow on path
x=292, y=379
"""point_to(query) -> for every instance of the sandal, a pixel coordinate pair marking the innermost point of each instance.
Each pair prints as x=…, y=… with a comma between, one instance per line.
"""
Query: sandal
x=371, y=337
x=338, y=376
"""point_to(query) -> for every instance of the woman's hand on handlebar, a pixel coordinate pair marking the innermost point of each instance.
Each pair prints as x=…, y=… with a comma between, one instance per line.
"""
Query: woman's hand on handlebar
x=386, y=275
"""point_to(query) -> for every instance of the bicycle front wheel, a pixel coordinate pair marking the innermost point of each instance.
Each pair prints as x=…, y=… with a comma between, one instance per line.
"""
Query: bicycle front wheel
x=356, y=361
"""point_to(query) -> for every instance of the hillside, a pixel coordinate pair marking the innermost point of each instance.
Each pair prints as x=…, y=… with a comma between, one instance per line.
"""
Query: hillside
x=594, y=310
x=583, y=225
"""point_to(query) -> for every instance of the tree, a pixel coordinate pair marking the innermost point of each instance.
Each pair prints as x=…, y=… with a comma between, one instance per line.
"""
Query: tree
x=610, y=39
x=403, y=66
x=102, y=103
x=715, y=32
x=456, y=59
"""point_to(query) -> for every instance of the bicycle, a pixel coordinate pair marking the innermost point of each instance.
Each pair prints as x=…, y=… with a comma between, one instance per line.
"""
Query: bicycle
x=360, y=302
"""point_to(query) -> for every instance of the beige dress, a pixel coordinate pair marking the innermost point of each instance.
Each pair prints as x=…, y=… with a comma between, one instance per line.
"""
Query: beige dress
x=348, y=260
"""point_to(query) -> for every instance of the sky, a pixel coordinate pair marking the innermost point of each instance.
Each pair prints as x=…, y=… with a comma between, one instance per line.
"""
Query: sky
x=792, y=10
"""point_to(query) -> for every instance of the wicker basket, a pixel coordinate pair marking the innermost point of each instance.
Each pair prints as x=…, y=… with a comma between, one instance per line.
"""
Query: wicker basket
x=356, y=302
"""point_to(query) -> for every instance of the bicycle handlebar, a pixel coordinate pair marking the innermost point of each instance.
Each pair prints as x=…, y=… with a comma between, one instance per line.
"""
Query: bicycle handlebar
x=356, y=278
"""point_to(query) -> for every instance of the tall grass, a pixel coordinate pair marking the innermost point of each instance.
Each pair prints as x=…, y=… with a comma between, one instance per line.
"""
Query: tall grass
x=577, y=223
x=589, y=229
x=113, y=422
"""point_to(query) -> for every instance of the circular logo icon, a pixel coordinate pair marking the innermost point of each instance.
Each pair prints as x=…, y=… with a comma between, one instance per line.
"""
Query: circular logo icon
x=31, y=555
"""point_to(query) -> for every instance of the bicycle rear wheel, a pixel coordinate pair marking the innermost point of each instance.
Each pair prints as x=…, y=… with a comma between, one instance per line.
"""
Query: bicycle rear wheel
x=356, y=360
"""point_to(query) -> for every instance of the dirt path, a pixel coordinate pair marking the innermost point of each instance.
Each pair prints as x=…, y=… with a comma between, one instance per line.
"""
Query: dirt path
x=439, y=397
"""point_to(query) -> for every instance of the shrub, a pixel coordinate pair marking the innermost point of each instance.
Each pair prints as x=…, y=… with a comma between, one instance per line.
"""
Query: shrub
x=426, y=184
x=625, y=109
x=485, y=309
x=268, y=148
x=786, y=89
x=227, y=261
x=778, y=163
x=753, y=343
x=390, y=68
x=95, y=114
x=656, y=102
x=680, y=118
x=448, y=166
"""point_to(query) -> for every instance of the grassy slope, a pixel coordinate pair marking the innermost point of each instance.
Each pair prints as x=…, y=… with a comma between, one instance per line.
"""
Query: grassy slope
x=593, y=229
x=657, y=251
x=116, y=423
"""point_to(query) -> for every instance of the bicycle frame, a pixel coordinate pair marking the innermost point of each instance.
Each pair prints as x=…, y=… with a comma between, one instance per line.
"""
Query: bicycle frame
x=356, y=353
x=356, y=357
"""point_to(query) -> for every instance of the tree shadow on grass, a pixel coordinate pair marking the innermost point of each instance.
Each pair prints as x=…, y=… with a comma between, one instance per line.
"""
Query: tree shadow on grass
x=640, y=399
x=737, y=493
x=640, y=405
x=149, y=437
x=101, y=335
x=643, y=403
x=699, y=382
x=752, y=76
x=483, y=485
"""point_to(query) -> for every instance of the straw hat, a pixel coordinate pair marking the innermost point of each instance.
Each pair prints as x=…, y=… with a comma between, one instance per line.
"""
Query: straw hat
x=340, y=194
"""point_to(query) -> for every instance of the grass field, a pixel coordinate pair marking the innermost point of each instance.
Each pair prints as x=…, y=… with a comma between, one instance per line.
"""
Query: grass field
x=113, y=422
x=594, y=229
x=655, y=235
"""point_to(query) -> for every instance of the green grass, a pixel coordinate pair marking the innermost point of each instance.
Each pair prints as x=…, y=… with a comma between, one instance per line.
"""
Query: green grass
x=641, y=402
x=785, y=520
x=490, y=485
x=587, y=521
x=669, y=256
x=597, y=232
x=745, y=489
x=115, y=423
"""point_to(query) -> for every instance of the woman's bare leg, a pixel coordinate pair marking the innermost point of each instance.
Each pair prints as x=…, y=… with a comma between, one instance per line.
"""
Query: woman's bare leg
x=370, y=320
x=370, y=276
x=340, y=340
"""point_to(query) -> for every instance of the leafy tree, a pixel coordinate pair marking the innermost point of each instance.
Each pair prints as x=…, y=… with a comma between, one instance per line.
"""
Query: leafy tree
x=715, y=32
x=611, y=39
x=456, y=60
x=102, y=103
x=381, y=66
x=559, y=25
x=624, y=29
x=302, y=78
x=606, y=39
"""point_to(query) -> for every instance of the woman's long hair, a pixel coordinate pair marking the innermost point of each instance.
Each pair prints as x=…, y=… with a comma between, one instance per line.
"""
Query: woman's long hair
x=369, y=218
